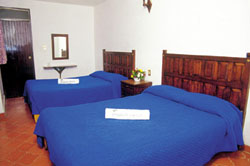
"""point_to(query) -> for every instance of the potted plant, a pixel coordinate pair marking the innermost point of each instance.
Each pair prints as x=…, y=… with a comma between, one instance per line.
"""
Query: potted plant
x=138, y=74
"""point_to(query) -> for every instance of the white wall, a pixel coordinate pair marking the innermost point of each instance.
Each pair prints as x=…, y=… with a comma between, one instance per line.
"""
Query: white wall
x=209, y=27
x=247, y=121
x=74, y=20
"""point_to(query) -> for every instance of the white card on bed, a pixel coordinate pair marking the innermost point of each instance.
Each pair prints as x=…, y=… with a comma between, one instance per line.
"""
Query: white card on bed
x=68, y=81
x=127, y=114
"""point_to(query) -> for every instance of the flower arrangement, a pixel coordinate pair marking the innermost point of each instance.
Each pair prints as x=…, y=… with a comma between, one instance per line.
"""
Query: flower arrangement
x=138, y=74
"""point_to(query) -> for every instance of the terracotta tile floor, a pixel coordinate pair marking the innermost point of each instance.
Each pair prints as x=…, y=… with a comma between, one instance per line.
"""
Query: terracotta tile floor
x=18, y=144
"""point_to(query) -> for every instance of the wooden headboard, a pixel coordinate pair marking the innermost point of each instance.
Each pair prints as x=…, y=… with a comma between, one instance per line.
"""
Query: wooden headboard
x=119, y=62
x=224, y=77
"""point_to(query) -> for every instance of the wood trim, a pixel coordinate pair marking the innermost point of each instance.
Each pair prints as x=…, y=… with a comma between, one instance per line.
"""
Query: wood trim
x=119, y=62
x=67, y=46
x=224, y=77
x=138, y=83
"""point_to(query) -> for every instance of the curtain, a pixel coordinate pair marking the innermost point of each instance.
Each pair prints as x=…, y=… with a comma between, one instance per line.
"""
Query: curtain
x=3, y=57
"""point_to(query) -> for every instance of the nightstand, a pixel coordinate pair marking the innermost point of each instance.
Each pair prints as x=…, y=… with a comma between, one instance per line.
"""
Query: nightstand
x=130, y=87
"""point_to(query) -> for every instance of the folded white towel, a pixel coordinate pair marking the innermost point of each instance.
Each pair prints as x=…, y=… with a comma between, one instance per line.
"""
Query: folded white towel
x=127, y=114
x=68, y=81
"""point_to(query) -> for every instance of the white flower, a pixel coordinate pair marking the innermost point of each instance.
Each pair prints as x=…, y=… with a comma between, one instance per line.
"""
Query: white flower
x=138, y=75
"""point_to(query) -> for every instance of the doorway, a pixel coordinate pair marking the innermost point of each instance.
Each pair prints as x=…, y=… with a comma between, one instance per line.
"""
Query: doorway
x=18, y=43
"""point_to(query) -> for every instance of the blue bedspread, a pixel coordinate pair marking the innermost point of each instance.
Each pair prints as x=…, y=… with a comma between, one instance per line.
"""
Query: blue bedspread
x=185, y=129
x=97, y=86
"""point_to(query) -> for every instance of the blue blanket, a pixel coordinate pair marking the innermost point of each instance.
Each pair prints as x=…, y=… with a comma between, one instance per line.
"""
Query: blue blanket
x=184, y=129
x=97, y=86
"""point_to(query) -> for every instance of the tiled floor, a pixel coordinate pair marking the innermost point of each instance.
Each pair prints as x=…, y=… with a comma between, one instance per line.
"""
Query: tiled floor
x=18, y=144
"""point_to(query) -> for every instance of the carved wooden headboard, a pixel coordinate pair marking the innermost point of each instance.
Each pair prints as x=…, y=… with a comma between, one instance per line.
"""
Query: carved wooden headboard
x=224, y=77
x=119, y=62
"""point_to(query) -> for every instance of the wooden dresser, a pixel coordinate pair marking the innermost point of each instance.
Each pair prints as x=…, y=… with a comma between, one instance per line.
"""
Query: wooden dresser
x=130, y=87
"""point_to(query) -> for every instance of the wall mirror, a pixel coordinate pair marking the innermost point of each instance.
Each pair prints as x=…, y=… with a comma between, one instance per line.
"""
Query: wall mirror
x=60, y=46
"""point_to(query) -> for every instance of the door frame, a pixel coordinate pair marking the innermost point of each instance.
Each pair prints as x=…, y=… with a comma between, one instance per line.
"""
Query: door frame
x=32, y=49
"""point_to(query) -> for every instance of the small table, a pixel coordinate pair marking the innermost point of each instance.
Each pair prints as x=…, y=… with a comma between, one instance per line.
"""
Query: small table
x=131, y=87
x=58, y=68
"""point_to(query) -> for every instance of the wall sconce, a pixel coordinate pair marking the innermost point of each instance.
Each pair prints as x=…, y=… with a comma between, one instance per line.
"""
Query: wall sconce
x=148, y=4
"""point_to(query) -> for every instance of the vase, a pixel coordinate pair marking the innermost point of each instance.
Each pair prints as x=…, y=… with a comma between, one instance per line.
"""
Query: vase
x=136, y=79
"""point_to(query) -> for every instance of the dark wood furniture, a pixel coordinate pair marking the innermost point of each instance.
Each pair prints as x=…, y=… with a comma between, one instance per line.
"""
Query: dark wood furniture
x=57, y=41
x=114, y=62
x=224, y=77
x=59, y=68
x=131, y=87
x=20, y=64
x=148, y=4
x=119, y=62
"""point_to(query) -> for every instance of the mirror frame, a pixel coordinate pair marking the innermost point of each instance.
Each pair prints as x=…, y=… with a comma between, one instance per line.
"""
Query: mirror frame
x=53, y=49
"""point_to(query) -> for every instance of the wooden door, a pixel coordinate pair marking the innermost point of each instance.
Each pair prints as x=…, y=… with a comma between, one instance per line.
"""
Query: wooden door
x=20, y=65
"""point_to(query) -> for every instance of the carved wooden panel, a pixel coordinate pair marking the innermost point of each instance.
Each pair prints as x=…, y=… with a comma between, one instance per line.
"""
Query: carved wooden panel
x=119, y=62
x=210, y=68
x=224, y=77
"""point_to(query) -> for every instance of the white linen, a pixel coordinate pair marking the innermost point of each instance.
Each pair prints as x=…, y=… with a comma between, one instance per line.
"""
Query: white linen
x=68, y=81
x=127, y=114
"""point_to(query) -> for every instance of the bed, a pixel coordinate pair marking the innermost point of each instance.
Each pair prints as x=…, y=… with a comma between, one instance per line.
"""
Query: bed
x=100, y=85
x=185, y=128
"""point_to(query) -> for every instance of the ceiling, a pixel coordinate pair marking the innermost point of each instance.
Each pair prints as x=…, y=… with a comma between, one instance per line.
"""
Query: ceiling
x=77, y=2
